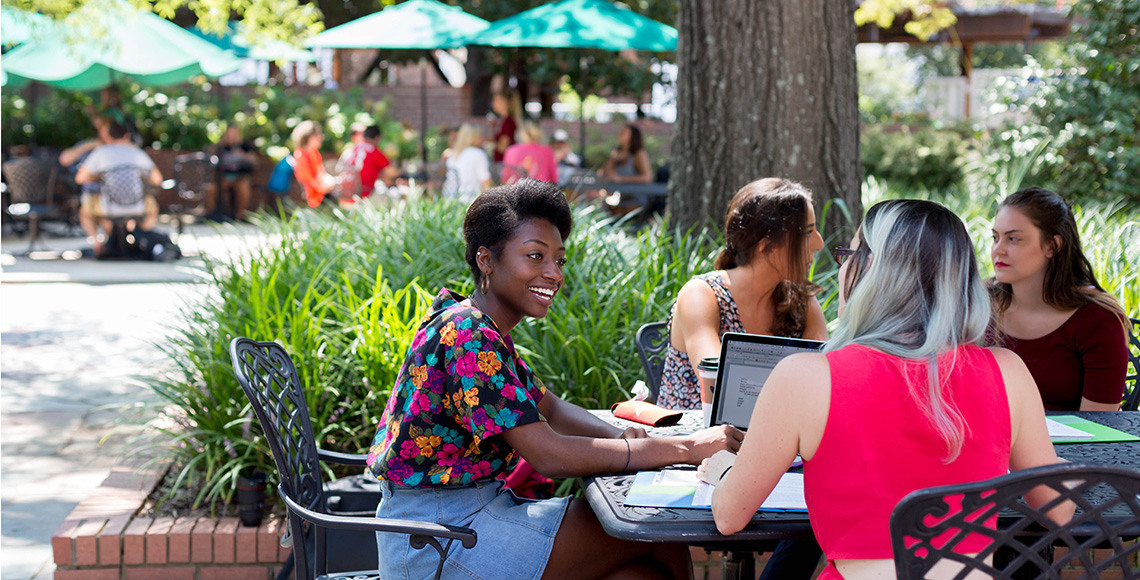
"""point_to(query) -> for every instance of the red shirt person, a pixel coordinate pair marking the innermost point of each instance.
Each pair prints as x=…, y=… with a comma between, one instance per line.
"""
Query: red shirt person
x=365, y=159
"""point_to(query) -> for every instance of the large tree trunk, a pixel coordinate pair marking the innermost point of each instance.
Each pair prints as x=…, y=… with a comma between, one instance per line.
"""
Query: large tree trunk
x=765, y=89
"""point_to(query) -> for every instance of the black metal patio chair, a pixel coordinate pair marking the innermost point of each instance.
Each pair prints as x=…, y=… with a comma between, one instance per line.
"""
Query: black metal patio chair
x=927, y=525
x=651, y=340
x=31, y=192
x=1131, y=382
x=269, y=378
x=194, y=175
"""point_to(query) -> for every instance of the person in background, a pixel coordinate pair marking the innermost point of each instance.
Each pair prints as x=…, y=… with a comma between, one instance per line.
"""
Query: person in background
x=1049, y=308
x=73, y=157
x=465, y=404
x=913, y=315
x=364, y=161
x=120, y=166
x=448, y=151
x=535, y=159
x=563, y=154
x=468, y=169
x=111, y=107
x=760, y=286
x=309, y=167
x=629, y=161
x=508, y=106
x=237, y=160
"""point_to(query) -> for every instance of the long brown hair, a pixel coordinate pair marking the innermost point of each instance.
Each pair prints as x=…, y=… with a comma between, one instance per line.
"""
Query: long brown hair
x=773, y=210
x=1069, y=279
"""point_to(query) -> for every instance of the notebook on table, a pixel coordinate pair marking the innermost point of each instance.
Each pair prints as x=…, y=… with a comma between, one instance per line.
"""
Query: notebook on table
x=746, y=360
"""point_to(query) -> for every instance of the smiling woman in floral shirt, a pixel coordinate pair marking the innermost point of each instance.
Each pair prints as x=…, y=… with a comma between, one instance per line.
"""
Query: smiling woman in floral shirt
x=460, y=369
x=465, y=405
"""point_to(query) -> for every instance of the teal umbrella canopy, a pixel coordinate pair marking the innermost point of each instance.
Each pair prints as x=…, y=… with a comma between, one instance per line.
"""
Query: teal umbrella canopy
x=237, y=41
x=582, y=24
x=18, y=26
x=423, y=24
x=108, y=41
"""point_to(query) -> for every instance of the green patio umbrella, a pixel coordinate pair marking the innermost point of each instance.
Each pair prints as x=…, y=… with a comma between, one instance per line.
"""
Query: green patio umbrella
x=423, y=24
x=19, y=26
x=579, y=24
x=415, y=24
x=599, y=24
x=109, y=40
x=236, y=40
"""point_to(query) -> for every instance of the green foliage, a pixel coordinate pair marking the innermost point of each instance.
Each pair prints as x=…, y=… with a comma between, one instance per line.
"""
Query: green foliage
x=55, y=120
x=926, y=17
x=344, y=294
x=1086, y=105
x=194, y=116
x=920, y=157
x=286, y=20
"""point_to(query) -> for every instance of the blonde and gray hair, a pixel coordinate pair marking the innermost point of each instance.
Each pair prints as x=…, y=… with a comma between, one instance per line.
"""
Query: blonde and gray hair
x=467, y=136
x=913, y=291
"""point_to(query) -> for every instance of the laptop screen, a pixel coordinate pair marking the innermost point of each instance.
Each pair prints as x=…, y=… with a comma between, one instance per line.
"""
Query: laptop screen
x=746, y=360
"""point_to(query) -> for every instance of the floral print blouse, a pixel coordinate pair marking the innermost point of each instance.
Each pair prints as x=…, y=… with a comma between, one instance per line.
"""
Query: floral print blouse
x=462, y=383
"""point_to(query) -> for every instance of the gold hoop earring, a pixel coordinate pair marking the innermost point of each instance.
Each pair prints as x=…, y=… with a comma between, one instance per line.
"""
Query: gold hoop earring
x=485, y=284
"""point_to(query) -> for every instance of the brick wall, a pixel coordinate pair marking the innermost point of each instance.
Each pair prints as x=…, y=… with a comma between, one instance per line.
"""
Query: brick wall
x=103, y=539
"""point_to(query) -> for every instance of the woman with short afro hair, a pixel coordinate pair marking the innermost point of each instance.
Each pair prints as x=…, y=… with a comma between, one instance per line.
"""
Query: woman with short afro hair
x=465, y=406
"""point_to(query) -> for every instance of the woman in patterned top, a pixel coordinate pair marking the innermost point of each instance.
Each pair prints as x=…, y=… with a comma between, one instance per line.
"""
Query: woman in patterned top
x=465, y=405
x=759, y=286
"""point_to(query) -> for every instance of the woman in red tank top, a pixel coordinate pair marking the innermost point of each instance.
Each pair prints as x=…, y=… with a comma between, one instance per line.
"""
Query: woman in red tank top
x=884, y=410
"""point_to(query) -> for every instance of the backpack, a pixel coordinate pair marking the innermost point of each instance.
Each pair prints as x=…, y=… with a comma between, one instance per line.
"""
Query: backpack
x=156, y=246
x=282, y=176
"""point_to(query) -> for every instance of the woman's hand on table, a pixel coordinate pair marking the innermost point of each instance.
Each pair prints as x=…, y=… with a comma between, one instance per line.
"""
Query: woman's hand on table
x=707, y=442
x=713, y=469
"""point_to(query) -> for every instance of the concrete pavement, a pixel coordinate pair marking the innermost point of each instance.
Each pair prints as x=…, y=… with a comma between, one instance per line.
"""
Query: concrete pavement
x=74, y=335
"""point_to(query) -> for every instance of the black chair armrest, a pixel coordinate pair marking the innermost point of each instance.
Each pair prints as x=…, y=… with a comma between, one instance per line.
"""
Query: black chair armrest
x=465, y=535
x=342, y=458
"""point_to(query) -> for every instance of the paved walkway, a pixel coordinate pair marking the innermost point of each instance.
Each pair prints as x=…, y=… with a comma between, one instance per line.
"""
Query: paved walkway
x=74, y=334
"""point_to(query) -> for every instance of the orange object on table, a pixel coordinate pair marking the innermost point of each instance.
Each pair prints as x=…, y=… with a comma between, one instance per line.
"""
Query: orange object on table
x=647, y=413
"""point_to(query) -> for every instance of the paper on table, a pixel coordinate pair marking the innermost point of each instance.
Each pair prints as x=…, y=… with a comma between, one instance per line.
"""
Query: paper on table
x=681, y=488
x=1061, y=431
x=787, y=495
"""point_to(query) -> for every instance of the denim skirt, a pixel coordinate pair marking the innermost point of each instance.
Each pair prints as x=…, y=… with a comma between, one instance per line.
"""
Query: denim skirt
x=515, y=535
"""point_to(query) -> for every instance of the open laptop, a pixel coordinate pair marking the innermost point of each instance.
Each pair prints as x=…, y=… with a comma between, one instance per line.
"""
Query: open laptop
x=746, y=360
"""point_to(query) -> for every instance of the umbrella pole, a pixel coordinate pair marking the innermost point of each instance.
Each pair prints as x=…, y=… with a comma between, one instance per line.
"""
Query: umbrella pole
x=581, y=107
x=423, y=111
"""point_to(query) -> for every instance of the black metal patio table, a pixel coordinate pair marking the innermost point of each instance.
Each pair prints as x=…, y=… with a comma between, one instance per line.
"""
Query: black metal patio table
x=606, y=495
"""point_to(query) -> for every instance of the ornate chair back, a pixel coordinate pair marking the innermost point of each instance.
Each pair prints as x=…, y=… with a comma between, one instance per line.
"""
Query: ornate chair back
x=269, y=379
x=928, y=525
x=651, y=341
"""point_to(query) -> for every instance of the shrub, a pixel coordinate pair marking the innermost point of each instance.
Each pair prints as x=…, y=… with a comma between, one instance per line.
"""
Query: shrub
x=1085, y=102
x=915, y=158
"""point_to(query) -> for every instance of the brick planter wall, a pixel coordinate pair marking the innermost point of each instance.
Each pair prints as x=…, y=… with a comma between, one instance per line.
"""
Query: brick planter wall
x=104, y=539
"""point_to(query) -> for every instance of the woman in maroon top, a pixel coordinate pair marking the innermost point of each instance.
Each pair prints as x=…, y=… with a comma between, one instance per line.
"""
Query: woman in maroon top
x=508, y=106
x=1049, y=309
